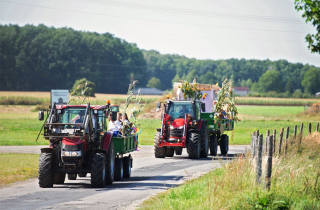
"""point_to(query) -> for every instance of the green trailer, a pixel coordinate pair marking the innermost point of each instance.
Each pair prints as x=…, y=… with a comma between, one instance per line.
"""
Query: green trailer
x=123, y=145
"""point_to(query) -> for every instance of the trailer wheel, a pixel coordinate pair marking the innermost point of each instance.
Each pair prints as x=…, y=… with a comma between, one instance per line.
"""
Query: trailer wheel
x=72, y=176
x=224, y=144
x=213, y=145
x=169, y=152
x=194, y=146
x=159, y=152
x=204, y=141
x=98, y=170
x=59, y=178
x=110, y=164
x=127, y=167
x=118, y=173
x=178, y=150
x=45, y=170
x=82, y=175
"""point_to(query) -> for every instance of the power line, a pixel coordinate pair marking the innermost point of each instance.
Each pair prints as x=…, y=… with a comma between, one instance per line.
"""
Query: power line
x=154, y=20
x=196, y=12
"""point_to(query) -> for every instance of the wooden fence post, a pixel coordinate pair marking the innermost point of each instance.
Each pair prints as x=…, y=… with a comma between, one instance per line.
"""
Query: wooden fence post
x=269, y=163
x=267, y=135
x=301, y=131
x=309, y=128
x=280, y=141
x=286, y=141
x=274, y=140
x=295, y=131
x=317, y=128
x=253, y=146
x=259, y=159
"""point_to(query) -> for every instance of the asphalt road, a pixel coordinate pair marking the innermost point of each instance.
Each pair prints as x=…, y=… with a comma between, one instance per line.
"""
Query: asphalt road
x=149, y=176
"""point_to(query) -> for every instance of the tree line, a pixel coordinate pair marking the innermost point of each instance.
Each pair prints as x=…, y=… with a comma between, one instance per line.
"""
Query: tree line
x=41, y=58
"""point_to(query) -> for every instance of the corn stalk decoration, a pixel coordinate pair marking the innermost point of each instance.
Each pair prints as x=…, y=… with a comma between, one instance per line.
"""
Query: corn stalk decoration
x=190, y=90
x=79, y=98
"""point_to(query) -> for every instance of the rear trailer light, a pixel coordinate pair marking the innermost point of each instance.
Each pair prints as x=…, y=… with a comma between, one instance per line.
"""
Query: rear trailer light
x=71, y=153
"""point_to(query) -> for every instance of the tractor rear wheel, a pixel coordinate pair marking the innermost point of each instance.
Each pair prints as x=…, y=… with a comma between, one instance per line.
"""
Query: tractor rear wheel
x=178, y=150
x=98, y=170
x=224, y=144
x=59, y=178
x=110, y=164
x=213, y=145
x=118, y=173
x=45, y=170
x=82, y=175
x=72, y=176
x=204, y=141
x=194, y=146
x=127, y=167
x=159, y=152
x=169, y=152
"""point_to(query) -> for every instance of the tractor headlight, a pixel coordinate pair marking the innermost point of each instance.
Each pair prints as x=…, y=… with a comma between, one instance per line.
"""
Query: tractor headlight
x=71, y=153
x=194, y=123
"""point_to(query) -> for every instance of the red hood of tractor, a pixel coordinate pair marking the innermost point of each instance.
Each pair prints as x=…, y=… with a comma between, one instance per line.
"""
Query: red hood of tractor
x=72, y=141
x=177, y=123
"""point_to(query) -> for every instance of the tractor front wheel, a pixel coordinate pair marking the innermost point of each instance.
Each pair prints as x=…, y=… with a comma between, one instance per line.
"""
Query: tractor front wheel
x=45, y=170
x=98, y=170
x=59, y=178
x=194, y=146
x=224, y=144
x=127, y=165
x=118, y=175
x=213, y=145
x=110, y=164
x=159, y=152
x=178, y=150
x=169, y=152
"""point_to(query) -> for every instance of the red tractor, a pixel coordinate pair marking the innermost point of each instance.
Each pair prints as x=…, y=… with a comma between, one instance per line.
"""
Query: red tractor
x=79, y=144
x=182, y=128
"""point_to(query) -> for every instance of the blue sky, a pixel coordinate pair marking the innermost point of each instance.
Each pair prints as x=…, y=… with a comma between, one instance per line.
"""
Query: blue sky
x=202, y=29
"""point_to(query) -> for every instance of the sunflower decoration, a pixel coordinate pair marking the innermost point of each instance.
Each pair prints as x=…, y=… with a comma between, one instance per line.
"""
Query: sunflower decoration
x=190, y=90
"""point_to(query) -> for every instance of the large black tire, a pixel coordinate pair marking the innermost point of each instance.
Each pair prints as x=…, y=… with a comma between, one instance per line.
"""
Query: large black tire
x=72, y=176
x=204, y=141
x=118, y=172
x=224, y=144
x=59, y=178
x=178, y=150
x=159, y=152
x=194, y=146
x=45, y=170
x=169, y=152
x=213, y=145
x=82, y=175
x=127, y=167
x=98, y=170
x=110, y=164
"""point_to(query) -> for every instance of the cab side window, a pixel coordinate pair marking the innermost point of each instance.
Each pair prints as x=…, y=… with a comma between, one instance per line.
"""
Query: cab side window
x=197, y=110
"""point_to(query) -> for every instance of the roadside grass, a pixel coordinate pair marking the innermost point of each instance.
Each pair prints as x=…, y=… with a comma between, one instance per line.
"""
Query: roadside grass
x=18, y=167
x=295, y=184
x=264, y=101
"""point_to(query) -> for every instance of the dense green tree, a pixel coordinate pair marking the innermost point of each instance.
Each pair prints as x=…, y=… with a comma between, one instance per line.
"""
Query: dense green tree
x=289, y=86
x=83, y=87
x=311, y=81
x=154, y=83
x=270, y=81
x=311, y=12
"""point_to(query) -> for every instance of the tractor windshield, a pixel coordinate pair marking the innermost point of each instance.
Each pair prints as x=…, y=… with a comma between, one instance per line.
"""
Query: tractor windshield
x=72, y=115
x=178, y=110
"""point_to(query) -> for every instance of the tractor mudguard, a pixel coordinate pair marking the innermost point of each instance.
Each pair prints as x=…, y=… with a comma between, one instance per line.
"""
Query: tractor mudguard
x=105, y=142
x=95, y=151
x=46, y=150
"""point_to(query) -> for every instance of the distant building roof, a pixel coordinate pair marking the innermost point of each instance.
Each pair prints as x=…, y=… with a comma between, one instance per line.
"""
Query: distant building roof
x=241, y=88
x=318, y=94
x=149, y=91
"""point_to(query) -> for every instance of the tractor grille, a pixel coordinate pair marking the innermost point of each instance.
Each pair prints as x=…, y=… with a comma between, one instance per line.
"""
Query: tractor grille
x=176, y=132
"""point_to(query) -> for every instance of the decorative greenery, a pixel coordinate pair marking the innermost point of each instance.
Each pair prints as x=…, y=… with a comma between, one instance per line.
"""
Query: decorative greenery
x=79, y=98
x=89, y=91
x=190, y=90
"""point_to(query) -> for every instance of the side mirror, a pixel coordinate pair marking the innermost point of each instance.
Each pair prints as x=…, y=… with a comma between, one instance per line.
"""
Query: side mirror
x=203, y=107
x=41, y=115
x=158, y=106
x=114, y=116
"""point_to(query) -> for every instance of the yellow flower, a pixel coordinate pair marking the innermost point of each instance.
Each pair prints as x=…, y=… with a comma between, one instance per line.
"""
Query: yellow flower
x=186, y=88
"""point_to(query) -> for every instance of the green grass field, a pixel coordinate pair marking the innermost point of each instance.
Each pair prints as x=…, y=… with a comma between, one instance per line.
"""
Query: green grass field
x=20, y=126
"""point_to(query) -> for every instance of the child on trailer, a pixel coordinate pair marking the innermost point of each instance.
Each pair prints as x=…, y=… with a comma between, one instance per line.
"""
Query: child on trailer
x=114, y=126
